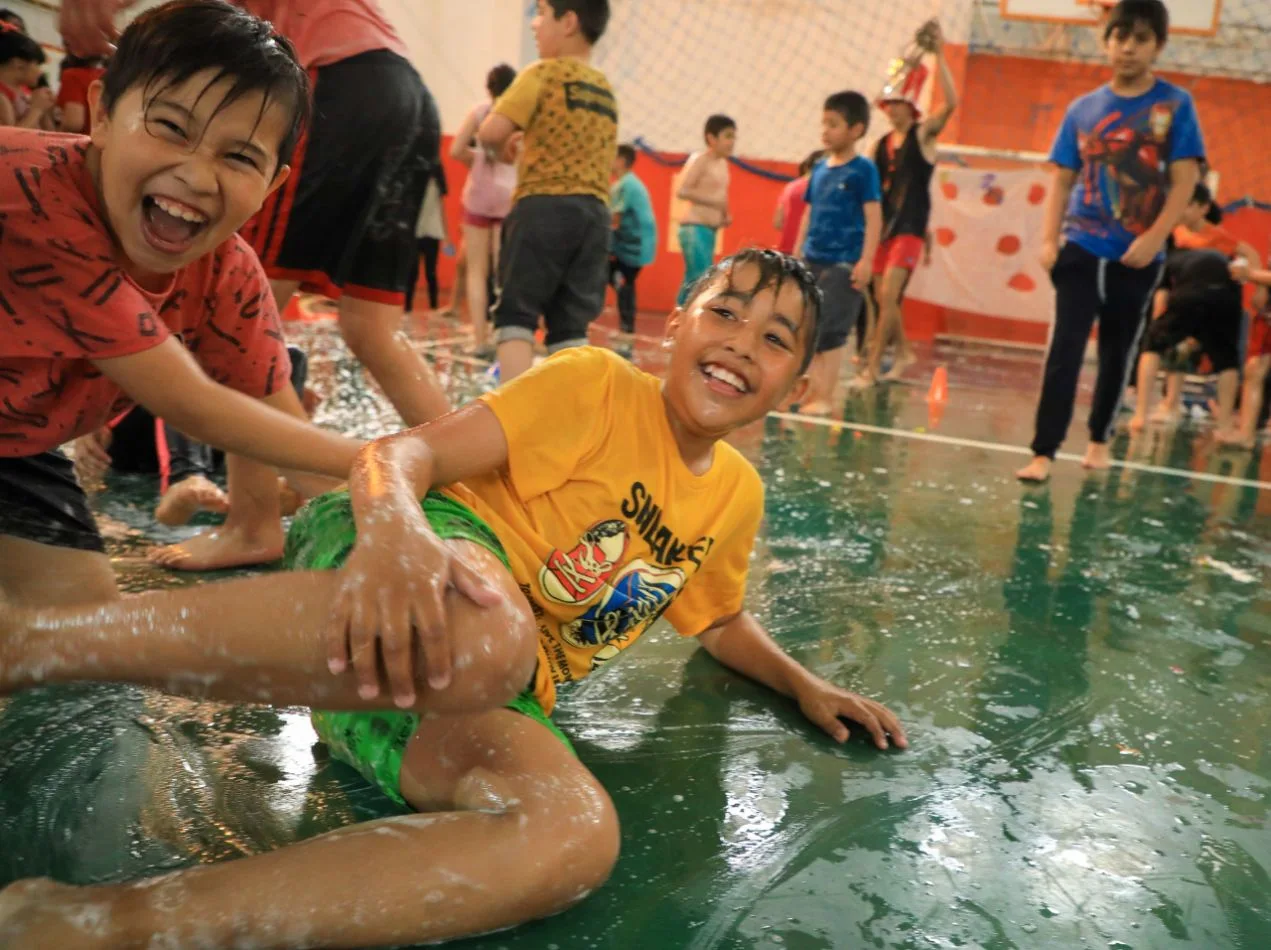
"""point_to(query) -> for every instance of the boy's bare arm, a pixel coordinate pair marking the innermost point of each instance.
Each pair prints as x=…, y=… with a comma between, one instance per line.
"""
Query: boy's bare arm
x=169, y=383
x=741, y=643
x=1062, y=181
x=803, y=231
x=495, y=131
x=933, y=126
x=460, y=148
x=396, y=578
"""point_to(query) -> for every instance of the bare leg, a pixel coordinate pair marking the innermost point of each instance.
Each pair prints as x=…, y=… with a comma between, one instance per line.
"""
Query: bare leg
x=515, y=357
x=262, y=639
x=824, y=374
x=371, y=331
x=1224, y=416
x=1171, y=408
x=477, y=241
x=891, y=325
x=39, y=575
x=252, y=534
x=525, y=831
x=1251, y=405
x=1149, y=364
x=459, y=292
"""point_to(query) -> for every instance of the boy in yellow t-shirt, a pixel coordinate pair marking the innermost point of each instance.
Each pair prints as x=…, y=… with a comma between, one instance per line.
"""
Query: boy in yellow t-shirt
x=561, y=516
x=555, y=255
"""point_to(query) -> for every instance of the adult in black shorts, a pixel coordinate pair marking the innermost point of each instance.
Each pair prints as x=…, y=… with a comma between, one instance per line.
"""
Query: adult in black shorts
x=1200, y=310
x=344, y=223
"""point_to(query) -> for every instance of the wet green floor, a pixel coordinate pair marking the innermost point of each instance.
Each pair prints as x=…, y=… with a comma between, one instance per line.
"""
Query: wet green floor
x=1085, y=671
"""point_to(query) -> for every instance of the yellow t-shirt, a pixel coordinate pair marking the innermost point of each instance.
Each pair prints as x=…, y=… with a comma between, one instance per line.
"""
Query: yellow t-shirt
x=570, y=118
x=604, y=525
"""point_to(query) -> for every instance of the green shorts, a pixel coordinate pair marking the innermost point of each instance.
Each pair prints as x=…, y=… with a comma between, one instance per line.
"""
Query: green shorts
x=321, y=537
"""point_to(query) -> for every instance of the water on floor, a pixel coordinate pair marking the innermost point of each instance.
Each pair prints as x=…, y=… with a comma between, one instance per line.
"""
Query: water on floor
x=1084, y=669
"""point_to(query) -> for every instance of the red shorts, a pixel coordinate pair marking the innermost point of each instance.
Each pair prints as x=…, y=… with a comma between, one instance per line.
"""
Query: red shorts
x=904, y=250
x=474, y=220
x=1259, y=336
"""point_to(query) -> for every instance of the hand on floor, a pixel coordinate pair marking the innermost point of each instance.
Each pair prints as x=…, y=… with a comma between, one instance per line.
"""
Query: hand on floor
x=828, y=705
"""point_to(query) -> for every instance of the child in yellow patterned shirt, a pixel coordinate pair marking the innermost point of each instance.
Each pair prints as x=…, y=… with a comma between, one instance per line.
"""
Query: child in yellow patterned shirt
x=555, y=255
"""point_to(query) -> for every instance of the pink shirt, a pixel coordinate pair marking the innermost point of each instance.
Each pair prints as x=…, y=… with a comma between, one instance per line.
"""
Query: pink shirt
x=792, y=207
x=327, y=31
x=488, y=190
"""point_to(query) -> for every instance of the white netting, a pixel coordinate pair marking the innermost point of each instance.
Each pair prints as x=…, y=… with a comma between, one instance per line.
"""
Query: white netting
x=767, y=63
x=770, y=63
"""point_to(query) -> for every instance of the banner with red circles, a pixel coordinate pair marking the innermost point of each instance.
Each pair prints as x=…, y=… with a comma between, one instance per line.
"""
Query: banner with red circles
x=985, y=236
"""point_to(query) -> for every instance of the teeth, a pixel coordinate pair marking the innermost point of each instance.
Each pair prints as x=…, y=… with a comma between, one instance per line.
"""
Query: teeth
x=179, y=211
x=726, y=376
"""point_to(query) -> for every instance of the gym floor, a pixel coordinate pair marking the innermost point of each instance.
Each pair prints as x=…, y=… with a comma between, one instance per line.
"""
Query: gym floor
x=1084, y=669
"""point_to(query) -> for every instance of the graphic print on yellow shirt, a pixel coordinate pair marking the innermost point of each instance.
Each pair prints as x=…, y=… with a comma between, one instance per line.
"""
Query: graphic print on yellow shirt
x=570, y=118
x=605, y=527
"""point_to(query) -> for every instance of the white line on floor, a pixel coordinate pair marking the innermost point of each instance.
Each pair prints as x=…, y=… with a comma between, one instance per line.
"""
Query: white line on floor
x=1018, y=450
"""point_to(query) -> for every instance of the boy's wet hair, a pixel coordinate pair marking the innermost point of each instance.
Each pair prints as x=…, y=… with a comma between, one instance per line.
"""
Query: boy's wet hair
x=1201, y=195
x=168, y=45
x=775, y=269
x=718, y=124
x=15, y=45
x=1128, y=14
x=593, y=16
x=805, y=166
x=628, y=154
x=499, y=79
x=852, y=106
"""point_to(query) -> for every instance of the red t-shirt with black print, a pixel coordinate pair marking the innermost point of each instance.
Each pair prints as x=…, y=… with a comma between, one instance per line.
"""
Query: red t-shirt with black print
x=65, y=302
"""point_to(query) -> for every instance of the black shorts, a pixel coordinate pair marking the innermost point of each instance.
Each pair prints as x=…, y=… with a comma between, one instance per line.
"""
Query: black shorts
x=842, y=306
x=41, y=501
x=554, y=261
x=1214, y=319
x=344, y=222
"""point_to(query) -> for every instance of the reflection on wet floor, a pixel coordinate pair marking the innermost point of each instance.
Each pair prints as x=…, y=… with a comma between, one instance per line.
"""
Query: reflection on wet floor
x=1085, y=670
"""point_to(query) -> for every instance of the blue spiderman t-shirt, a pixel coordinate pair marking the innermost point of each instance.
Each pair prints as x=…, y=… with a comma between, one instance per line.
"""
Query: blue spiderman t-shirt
x=1121, y=149
x=837, y=195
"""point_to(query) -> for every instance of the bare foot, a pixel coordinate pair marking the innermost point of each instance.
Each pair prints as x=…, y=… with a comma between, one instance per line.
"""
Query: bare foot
x=38, y=914
x=1038, y=470
x=1166, y=415
x=861, y=381
x=818, y=407
x=186, y=498
x=227, y=546
x=1136, y=424
x=1234, y=439
x=903, y=362
x=1098, y=456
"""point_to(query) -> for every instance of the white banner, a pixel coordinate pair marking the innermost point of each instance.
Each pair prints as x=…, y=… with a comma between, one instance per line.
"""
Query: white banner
x=985, y=233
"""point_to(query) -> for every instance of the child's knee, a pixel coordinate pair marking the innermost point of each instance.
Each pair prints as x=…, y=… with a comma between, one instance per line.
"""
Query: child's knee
x=495, y=650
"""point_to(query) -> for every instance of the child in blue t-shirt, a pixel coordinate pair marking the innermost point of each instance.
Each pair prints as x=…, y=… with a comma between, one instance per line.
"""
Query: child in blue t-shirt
x=839, y=236
x=634, y=244
x=1127, y=160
